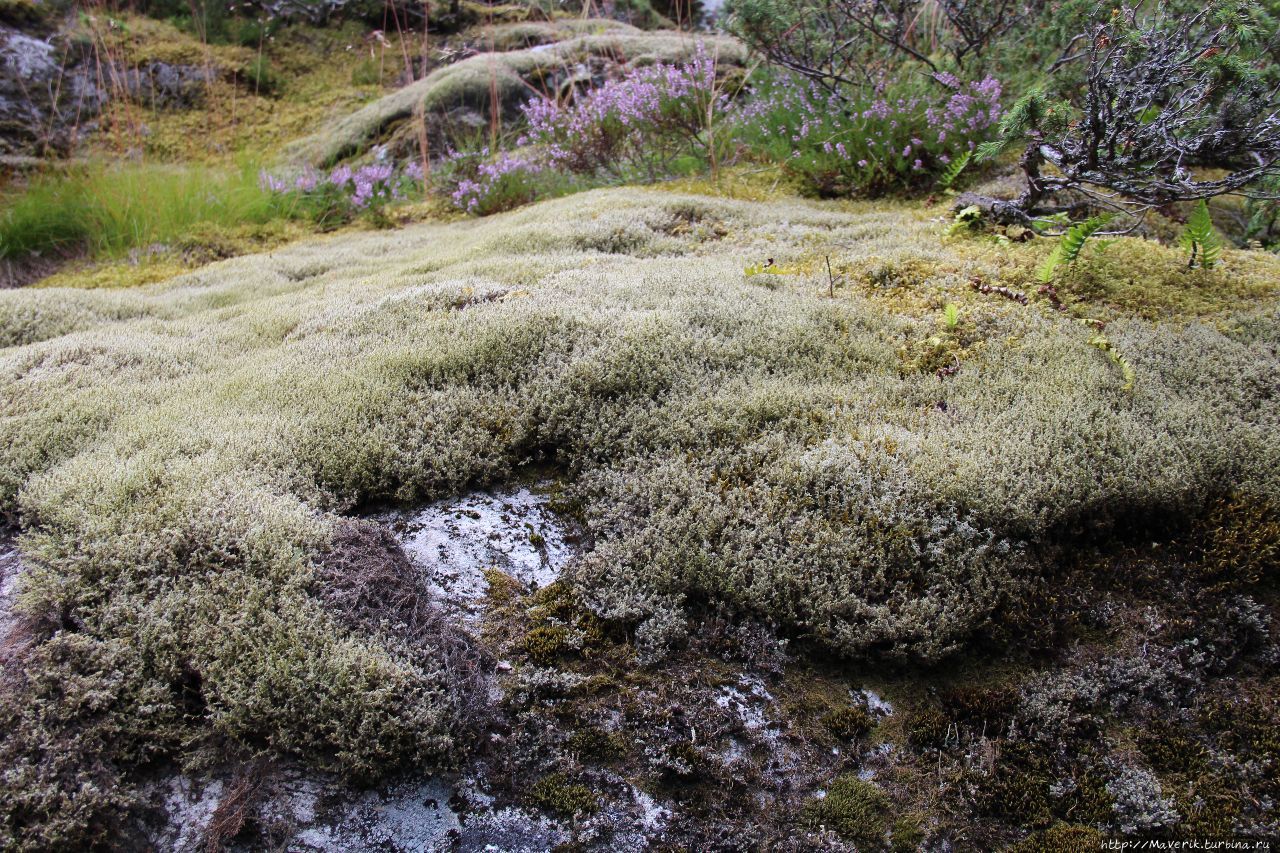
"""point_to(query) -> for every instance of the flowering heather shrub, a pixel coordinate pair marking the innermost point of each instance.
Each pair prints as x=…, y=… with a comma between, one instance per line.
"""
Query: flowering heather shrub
x=640, y=123
x=882, y=143
x=345, y=191
x=481, y=186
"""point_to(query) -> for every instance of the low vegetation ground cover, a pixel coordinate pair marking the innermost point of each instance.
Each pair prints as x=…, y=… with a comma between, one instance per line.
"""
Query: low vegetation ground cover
x=892, y=375
x=182, y=457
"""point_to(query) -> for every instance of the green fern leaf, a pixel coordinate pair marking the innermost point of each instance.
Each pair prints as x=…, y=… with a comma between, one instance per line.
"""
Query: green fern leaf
x=953, y=170
x=1073, y=242
x=1050, y=265
x=1070, y=246
x=1200, y=239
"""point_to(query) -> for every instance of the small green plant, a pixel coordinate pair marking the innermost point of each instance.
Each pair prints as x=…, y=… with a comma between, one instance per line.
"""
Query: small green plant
x=1102, y=342
x=950, y=317
x=1200, y=240
x=966, y=219
x=1068, y=250
x=261, y=77
x=949, y=175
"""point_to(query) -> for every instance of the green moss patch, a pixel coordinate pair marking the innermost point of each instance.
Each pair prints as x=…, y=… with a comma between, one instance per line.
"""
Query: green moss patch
x=857, y=810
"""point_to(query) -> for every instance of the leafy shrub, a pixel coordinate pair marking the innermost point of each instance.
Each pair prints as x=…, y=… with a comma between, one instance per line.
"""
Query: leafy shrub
x=846, y=42
x=640, y=123
x=843, y=143
x=481, y=185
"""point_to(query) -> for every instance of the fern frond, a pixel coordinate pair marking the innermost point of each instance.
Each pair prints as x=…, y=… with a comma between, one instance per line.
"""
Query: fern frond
x=1126, y=371
x=953, y=170
x=1200, y=239
x=1070, y=246
x=1102, y=342
x=1078, y=235
x=1046, y=270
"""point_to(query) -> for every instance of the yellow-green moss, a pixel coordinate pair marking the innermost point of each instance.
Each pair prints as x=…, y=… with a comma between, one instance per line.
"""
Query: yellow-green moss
x=559, y=794
x=112, y=274
x=134, y=40
x=502, y=588
x=858, y=811
x=1238, y=542
x=1132, y=277
x=849, y=722
x=1060, y=838
x=545, y=643
x=1170, y=748
x=594, y=742
x=907, y=834
x=927, y=726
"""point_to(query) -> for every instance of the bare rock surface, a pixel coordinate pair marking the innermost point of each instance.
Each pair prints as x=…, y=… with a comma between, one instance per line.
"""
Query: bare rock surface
x=457, y=540
x=10, y=568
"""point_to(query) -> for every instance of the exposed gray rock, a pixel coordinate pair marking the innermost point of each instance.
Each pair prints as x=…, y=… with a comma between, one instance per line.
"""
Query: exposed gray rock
x=10, y=568
x=457, y=540
x=44, y=106
x=301, y=810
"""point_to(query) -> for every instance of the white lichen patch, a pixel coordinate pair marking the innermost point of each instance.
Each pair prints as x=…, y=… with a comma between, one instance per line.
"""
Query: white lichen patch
x=510, y=830
x=876, y=703
x=748, y=701
x=630, y=819
x=457, y=540
x=412, y=815
x=309, y=811
x=10, y=568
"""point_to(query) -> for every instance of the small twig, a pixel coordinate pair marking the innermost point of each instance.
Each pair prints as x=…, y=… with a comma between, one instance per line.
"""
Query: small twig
x=831, y=281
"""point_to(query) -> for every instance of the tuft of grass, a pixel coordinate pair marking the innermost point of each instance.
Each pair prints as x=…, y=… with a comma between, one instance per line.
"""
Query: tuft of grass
x=110, y=209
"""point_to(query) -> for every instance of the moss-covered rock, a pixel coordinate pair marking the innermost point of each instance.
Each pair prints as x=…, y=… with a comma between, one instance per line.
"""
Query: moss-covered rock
x=499, y=81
